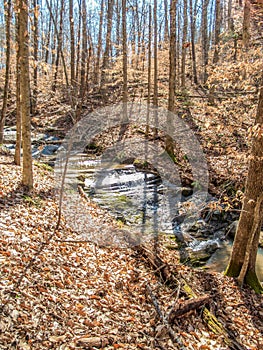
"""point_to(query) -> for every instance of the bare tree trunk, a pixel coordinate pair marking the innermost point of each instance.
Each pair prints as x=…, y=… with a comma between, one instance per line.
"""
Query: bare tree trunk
x=149, y=84
x=184, y=47
x=169, y=147
x=205, y=40
x=144, y=18
x=118, y=28
x=27, y=177
x=54, y=34
x=17, y=157
x=166, y=27
x=218, y=18
x=246, y=24
x=78, y=43
x=124, y=58
x=89, y=58
x=172, y=56
x=155, y=55
x=124, y=121
x=229, y=15
x=35, y=72
x=47, y=42
x=99, y=47
x=243, y=258
x=57, y=35
x=193, y=31
x=139, y=34
x=72, y=44
x=178, y=35
x=84, y=52
x=106, y=56
x=8, y=14
x=59, y=45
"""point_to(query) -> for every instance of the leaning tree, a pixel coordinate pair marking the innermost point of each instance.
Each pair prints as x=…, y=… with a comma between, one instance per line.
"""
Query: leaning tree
x=243, y=259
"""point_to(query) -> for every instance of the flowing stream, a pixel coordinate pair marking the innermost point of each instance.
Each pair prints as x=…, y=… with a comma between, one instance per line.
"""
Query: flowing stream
x=142, y=200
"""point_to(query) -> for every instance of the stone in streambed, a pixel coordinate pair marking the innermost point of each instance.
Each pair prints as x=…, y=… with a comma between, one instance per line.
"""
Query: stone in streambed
x=49, y=150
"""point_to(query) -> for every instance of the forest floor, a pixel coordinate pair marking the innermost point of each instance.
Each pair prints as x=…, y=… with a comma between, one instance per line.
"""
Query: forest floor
x=58, y=293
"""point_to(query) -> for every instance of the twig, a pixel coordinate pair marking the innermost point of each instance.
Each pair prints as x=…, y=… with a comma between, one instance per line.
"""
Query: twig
x=174, y=337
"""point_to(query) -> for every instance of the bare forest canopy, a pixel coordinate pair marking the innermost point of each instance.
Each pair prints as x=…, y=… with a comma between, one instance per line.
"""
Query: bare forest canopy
x=206, y=55
x=80, y=43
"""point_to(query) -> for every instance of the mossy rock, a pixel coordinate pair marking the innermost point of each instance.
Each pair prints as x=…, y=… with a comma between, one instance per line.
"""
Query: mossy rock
x=171, y=247
x=81, y=178
x=43, y=166
x=143, y=165
x=93, y=148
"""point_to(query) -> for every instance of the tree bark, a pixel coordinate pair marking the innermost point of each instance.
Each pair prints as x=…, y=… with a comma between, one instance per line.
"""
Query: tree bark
x=59, y=39
x=72, y=44
x=166, y=26
x=193, y=31
x=84, y=52
x=229, y=15
x=27, y=176
x=172, y=56
x=118, y=27
x=59, y=45
x=8, y=14
x=17, y=157
x=217, y=30
x=246, y=24
x=99, y=47
x=149, y=73
x=169, y=147
x=184, y=306
x=106, y=56
x=155, y=55
x=184, y=39
x=248, y=230
x=205, y=40
x=48, y=35
x=124, y=60
x=35, y=71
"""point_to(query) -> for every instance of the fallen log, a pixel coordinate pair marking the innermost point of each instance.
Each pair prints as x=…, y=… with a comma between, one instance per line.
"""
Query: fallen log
x=185, y=306
x=159, y=266
x=168, y=277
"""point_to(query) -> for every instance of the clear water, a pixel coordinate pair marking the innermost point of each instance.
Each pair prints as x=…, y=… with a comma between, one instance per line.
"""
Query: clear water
x=219, y=260
x=142, y=200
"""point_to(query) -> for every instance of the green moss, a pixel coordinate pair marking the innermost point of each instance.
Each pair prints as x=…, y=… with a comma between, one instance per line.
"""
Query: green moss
x=171, y=247
x=36, y=201
x=43, y=166
x=122, y=198
x=251, y=279
x=232, y=269
x=141, y=164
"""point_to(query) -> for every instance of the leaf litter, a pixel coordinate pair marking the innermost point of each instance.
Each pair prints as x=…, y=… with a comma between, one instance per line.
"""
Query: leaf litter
x=77, y=295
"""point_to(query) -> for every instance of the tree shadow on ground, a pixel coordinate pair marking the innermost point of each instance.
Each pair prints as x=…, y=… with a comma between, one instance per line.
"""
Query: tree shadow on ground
x=20, y=195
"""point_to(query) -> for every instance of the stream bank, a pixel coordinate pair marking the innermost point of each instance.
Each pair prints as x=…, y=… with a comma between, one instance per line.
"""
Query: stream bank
x=137, y=198
x=140, y=200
